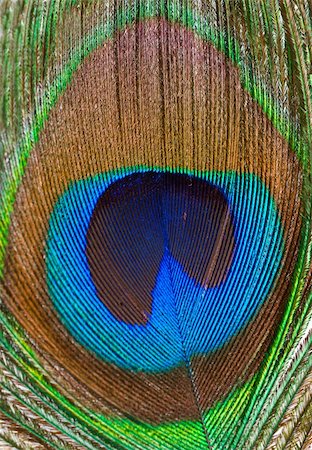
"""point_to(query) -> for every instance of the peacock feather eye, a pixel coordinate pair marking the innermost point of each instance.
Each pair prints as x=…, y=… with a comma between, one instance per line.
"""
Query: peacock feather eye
x=178, y=267
x=155, y=225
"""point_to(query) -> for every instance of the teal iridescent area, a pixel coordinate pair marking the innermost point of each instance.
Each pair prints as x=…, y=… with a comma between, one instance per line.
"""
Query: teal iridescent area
x=198, y=320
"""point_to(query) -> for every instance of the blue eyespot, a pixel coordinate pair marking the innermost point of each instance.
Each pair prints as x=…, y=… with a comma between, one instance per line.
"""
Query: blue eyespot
x=146, y=267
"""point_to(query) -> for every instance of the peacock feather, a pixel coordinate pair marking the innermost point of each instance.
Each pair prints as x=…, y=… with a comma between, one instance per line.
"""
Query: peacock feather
x=155, y=224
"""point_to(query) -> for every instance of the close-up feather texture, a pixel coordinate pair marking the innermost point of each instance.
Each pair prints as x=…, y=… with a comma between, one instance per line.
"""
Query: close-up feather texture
x=155, y=224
